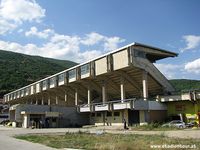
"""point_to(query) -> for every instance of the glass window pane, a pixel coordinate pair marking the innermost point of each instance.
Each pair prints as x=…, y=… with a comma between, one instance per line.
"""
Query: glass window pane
x=72, y=74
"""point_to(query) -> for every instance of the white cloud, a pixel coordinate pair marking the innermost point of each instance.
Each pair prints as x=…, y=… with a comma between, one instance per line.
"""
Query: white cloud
x=193, y=66
x=6, y=26
x=21, y=10
x=169, y=70
x=14, y=12
x=109, y=43
x=192, y=41
x=59, y=46
x=43, y=34
x=92, y=38
x=112, y=43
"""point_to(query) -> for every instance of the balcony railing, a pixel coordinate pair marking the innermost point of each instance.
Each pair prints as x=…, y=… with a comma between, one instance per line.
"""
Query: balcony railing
x=108, y=106
x=136, y=104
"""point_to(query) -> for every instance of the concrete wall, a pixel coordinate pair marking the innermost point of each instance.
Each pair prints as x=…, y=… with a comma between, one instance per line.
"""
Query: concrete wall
x=102, y=118
x=120, y=59
x=154, y=105
x=157, y=115
x=68, y=115
x=186, y=108
x=101, y=66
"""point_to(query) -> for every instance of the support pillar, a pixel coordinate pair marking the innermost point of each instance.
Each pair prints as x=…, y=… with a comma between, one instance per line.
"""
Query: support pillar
x=122, y=90
x=104, y=94
x=56, y=100
x=36, y=102
x=89, y=95
x=26, y=120
x=145, y=85
x=76, y=97
x=49, y=100
x=66, y=97
x=42, y=102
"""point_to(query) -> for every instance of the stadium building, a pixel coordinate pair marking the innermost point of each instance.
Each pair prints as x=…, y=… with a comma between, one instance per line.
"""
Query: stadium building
x=122, y=84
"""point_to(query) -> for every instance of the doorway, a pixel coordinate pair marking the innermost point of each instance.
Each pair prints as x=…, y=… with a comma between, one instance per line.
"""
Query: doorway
x=133, y=117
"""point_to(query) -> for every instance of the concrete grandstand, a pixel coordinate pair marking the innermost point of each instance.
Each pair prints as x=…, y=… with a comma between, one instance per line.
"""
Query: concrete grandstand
x=122, y=84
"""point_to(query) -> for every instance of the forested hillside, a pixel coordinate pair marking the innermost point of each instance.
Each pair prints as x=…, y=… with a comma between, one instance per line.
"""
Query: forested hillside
x=17, y=70
x=184, y=84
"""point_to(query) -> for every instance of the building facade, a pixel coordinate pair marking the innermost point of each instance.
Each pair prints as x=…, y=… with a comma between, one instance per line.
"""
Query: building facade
x=123, y=84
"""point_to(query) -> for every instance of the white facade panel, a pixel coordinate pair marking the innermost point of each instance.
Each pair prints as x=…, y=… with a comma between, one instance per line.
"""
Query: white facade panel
x=101, y=66
x=125, y=105
x=18, y=94
x=32, y=89
x=22, y=93
x=14, y=96
x=120, y=59
x=38, y=88
x=103, y=107
x=27, y=90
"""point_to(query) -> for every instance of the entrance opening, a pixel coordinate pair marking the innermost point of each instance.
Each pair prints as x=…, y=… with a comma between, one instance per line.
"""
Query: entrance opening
x=133, y=117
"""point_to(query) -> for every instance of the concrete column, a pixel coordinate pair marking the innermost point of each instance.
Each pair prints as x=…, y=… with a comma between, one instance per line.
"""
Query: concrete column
x=36, y=102
x=104, y=94
x=122, y=90
x=89, y=95
x=49, y=100
x=66, y=97
x=56, y=100
x=26, y=120
x=76, y=97
x=42, y=102
x=145, y=85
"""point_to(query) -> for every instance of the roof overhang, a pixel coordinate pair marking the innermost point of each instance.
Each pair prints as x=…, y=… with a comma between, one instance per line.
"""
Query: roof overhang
x=154, y=53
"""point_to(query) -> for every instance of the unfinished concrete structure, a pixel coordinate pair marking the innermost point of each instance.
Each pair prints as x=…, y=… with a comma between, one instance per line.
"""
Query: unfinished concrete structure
x=122, y=84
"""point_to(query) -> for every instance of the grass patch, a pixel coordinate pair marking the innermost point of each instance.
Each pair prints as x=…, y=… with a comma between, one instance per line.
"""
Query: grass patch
x=105, y=141
x=154, y=127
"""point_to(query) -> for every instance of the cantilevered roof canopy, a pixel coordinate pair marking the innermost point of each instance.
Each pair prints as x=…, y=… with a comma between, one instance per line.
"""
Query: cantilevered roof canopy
x=154, y=53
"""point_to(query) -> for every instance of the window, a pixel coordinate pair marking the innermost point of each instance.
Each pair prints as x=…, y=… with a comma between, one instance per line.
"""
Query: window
x=109, y=114
x=52, y=81
x=93, y=114
x=139, y=53
x=98, y=114
x=85, y=69
x=61, y=77
x=72, y=74
x=44, y=83
x=116, y=114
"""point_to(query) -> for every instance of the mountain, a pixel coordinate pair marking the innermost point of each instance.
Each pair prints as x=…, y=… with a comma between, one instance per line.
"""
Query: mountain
x=18, y=70
x=185, y=84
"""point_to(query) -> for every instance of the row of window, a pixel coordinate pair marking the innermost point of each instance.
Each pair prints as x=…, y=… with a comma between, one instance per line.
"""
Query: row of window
x=71, y=74
x=108, y=114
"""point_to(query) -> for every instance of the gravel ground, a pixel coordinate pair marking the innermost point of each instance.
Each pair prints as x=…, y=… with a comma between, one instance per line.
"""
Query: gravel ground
x=7, y=142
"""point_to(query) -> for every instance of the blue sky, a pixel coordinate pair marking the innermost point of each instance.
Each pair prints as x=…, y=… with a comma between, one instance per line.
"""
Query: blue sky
x=79, y=30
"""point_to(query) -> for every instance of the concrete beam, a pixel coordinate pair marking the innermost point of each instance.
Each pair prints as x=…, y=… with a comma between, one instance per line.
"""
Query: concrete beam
x=132, y=81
